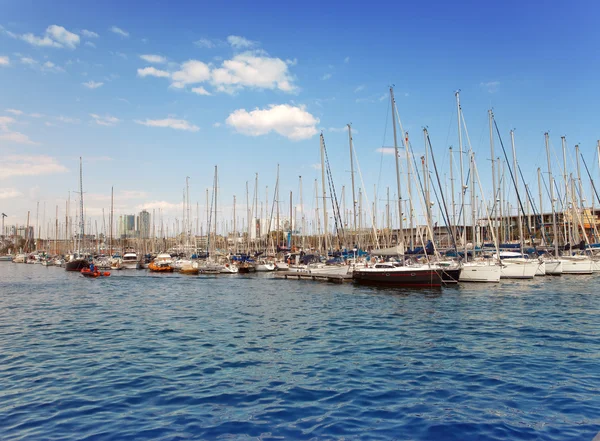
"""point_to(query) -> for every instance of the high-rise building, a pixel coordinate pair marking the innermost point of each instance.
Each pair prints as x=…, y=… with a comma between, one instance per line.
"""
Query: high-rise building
x=126, y=225
x=143, y=224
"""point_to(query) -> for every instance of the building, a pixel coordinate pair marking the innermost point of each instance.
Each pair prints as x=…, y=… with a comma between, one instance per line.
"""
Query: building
x=126, y=226
x=143, y=224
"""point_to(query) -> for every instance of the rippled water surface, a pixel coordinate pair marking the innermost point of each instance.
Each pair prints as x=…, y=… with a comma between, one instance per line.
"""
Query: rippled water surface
x=136, y=356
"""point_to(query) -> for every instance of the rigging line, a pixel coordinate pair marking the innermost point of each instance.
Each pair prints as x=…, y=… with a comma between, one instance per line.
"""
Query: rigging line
x=515, y=185
x=447, y=216
x=336, y=207
x=367, y=198
x=387, y=115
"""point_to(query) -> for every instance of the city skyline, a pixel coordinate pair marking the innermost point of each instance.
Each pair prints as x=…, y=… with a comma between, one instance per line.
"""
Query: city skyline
x=149, y=101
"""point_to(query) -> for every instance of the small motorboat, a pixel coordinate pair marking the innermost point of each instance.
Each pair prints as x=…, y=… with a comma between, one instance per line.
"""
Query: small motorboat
x=190, y=270
x=86, y=272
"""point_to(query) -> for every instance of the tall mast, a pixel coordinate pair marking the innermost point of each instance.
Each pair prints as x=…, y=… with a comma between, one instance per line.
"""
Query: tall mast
x=566, y=182
x=409, y=187
x=277, y=202
x=352, y=176
x=81, y=204
x=462, y=183
x=216, y=199
x=551, y=183
x=473, y=206
x=303, y=219
x=291, y=225
x=397, y=155
x=234, y=229
x=248, y=219
x=112, y=201
x=494, y=198
x=516, y=177
x=452, y=193
x=324, y=192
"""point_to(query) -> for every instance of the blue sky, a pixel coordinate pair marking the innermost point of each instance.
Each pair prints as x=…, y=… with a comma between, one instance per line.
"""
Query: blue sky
x=151, y=92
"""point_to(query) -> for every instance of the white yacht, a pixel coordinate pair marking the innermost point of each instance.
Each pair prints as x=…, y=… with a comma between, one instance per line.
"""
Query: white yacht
x=130, y=261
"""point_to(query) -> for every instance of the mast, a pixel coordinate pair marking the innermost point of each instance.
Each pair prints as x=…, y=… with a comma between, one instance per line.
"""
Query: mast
x=324, y=192
x=234, y=229
x=216, y=200
x=55, y=231
x=452, y=193
x=291, y=226
x=277, y=202
x=352, y=176
x=302, y=211
x=397, y=155
x=494, y=198
x=516, y=177
x=566, y=219
x=81, y=204
x=551, y=182
x=462, y=184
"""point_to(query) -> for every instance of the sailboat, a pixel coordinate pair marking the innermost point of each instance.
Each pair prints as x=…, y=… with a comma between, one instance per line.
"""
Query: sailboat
x=78, y=261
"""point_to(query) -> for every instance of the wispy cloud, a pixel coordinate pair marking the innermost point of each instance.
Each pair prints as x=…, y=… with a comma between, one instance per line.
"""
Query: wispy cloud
x=10, y=193
x=90, y=44
x=372, y=98
x=201, y=91
x=14, y=111
x=156, y=59
x=177, y=124
x=347, y=60
x=326, y=77
x=106, y=120
x=93, y=84
x=238, y=42
x=68, y=120
x=359, y=88
x=4, y=61
x=119, y=31
x=153, y=72
x=55, y=36
x=29, y=165
x=89, y=34
x=386, y=150
x=208, y=43
x=490, y=86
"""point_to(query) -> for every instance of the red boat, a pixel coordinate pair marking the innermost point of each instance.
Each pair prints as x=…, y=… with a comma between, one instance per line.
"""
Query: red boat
x=88, y=273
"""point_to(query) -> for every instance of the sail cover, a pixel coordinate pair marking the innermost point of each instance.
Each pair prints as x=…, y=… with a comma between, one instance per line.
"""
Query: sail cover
x=393, y=251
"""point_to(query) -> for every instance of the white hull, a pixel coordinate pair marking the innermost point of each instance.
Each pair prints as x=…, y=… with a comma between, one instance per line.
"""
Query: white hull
x=264, y=267
x=596, y=265
x=553, y=267
x=541, y=269
x=330, y=270
x=480, y=272
x=129, y=265
x=518, y=268
x=577, y=265
x=282, y=266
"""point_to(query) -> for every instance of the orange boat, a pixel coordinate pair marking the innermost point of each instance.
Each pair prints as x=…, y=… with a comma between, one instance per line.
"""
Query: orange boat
x=189, y=270
x=158, y=268
x=86, y=272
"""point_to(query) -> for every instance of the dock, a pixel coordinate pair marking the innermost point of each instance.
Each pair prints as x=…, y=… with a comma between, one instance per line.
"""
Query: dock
x=330, y=278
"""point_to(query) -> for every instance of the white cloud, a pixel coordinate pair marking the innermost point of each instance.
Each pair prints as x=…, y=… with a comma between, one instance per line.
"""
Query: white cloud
x=68, y=120
x=164, y=206
x=153, y=72
x=490, y=86
x=106, y=120
x=14, y=111
x=316, y=166
x=192, y=71
x=217, y=124
x=24, y=165
x=208, y=44
x=49, y=66
x=292, y=122
x=386, y=150
x=90, y=44
x=9, y=193
x=119, y=31
x=36, y=115
x=89, y=34
x=92, y=84
x=16, y=137
x=29, y=61
x=49, y=124
x=326, y=76
x=154, y=59
x=238, y=42
x=55, y=36
x=62, y=36
x=201, y=91
x=5, y=121
x=340, y=129
x=177, y=124
x=4, y=60
x=359, y=88
x=250, y=69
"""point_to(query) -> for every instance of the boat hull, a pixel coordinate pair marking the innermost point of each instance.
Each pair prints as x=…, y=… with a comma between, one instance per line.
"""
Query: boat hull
x=399, y=278
x=485, y=273
x=577, y=266
x=518, y=269
x=77, y=265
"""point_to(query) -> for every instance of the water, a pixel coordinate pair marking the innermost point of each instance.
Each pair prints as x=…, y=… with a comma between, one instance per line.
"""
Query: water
x=169, y=357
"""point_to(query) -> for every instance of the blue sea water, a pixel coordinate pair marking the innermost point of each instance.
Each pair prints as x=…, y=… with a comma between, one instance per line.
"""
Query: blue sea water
x=169, y=357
